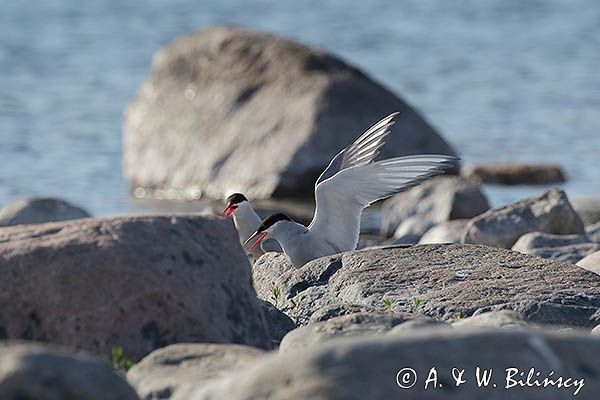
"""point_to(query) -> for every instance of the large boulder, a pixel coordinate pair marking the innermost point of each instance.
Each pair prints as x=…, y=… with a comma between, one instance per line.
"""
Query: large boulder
x=441, y=281
x=218, y=102
x=514, y=174
x=569, y=248
x=435, y=201
x=446, y=232
x=357, y=324
x=134, y=282
x=550, y=212
x=35, y=372
x=398, y=366
x=171, y=372
x=39, y=211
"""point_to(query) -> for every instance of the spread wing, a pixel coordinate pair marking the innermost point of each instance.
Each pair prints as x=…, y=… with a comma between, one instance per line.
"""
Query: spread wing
x=341, y=198
x=362, y=151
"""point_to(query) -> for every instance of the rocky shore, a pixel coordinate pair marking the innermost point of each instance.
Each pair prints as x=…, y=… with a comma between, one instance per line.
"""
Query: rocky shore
x=178, y=300
x=167, y=306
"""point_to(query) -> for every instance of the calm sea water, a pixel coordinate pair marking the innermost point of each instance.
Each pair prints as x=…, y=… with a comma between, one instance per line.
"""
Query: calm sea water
x=501, y=80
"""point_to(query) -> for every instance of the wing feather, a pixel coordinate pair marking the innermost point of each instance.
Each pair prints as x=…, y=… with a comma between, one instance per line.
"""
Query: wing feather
x=368, y=143
x=362, y=151
x=341, y=198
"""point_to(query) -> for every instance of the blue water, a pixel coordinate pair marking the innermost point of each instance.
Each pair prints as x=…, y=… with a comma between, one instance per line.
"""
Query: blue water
x=501, y=80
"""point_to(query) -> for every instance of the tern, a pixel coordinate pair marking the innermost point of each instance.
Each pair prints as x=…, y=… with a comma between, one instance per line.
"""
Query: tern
x=362, y=151
x=348, y=185
x=246, y=221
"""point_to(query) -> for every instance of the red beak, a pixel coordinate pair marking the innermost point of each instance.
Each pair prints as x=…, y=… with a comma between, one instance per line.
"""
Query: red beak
x=228, y=210
x=262, y=237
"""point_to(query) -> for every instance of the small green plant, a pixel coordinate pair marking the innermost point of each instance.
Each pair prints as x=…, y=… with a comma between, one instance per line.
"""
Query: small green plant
x=458, y=315
x=416, y=302
x=388, y=304
x=275, y=295
x=119, y=361
x=296, y=308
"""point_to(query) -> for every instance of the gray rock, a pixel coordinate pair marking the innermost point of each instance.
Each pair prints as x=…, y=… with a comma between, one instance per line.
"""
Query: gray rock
x=31, y=371
x=550, y=212
x=568, y=248
x=446, y=232
x=535, y=240
x=588, y=209
x=596, y=331
x=39, y=211
x=409, y=327
x=369, y=368
x=136, y=282
x=411, y=230
x=338, y=310
x=279, y=324
x=173, y=371
x=514, y=174
x=576, y=311
x=435, y=201
x=593, y=232
x=505, y=319
x=591, y=262
x=446, y=279
x=357, y=324
x=218, y=100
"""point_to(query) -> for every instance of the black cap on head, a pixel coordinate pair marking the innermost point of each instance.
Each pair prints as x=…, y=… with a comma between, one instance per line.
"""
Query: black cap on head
x=272, y=220
x=236, y=198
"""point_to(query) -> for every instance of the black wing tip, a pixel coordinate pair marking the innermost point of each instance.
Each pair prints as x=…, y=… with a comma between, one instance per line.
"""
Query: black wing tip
x=391, y=119
x=272, y=220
